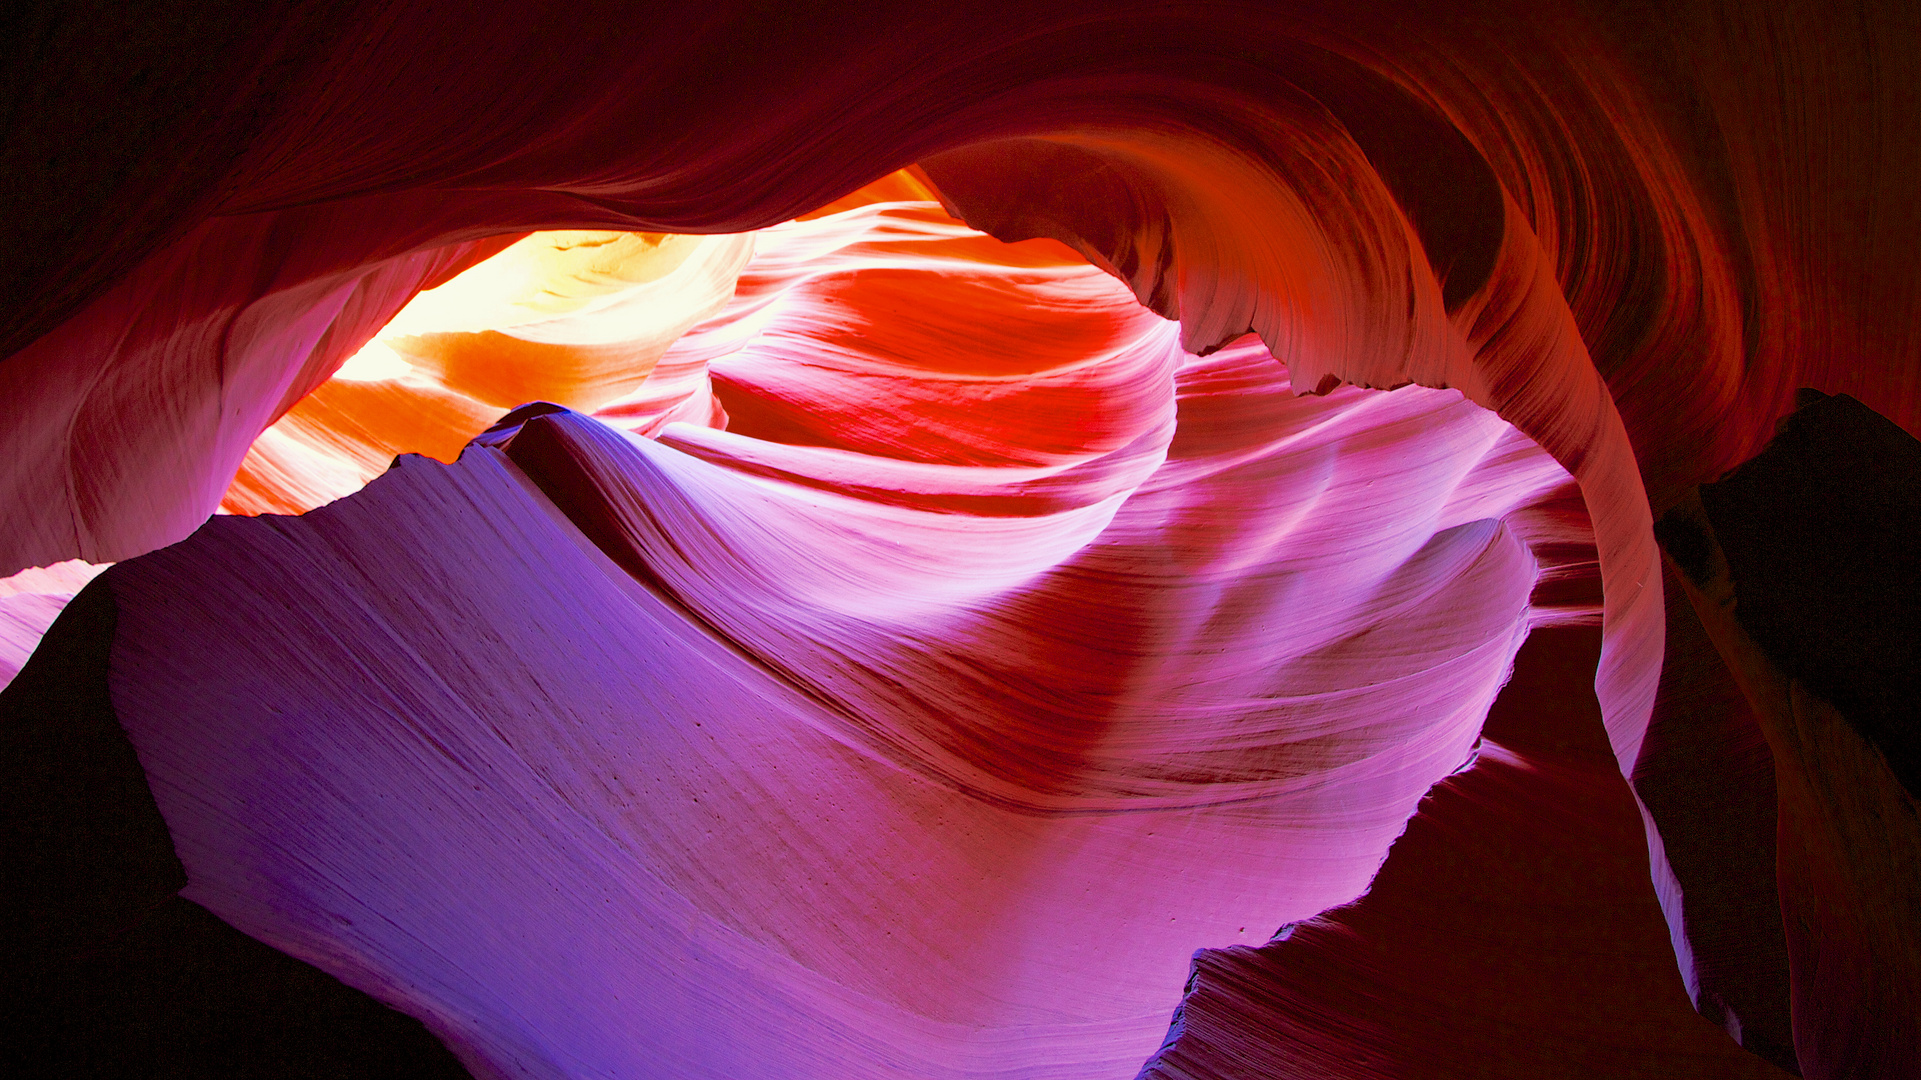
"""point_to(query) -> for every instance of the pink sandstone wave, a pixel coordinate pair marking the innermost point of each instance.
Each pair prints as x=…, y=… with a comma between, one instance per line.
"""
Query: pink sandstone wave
x=918, y=716
x=1049, y=633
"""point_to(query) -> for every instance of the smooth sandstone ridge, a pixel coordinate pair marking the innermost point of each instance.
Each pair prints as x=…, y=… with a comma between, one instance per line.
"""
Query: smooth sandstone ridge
x=1082, y=547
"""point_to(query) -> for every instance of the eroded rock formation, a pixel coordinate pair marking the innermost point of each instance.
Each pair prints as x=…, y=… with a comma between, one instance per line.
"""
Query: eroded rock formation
x=1048, y=632
x=1798, y=565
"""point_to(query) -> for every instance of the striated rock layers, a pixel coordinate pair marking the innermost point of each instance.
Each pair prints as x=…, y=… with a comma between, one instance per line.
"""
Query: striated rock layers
x=907, y=633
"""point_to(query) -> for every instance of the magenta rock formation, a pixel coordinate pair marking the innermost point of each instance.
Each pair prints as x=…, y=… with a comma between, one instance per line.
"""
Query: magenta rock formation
x=918, y=535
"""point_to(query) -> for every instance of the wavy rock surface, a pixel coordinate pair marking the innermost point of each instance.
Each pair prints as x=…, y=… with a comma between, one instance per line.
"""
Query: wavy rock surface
x=29, y=602
x=1631, y=231
x=1508, y=934
x=891, y=786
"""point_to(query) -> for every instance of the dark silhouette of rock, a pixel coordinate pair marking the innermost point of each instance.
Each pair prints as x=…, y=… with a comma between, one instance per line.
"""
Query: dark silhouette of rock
x=1800, y=566
x=107, y=972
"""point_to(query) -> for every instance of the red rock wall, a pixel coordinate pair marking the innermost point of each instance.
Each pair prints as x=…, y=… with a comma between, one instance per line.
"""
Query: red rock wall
x=1629, y=231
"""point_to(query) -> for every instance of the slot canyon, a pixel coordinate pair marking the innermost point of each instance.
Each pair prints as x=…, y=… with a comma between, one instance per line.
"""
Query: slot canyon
x=987, y=541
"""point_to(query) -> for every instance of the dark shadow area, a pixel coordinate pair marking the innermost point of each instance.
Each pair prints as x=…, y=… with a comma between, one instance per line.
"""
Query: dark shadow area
x=1706, y=775
x=1512, y=933
x=1811, y=596
x=1820, y=533
x=109, y=973
x=185, y=995
x=86, y=851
